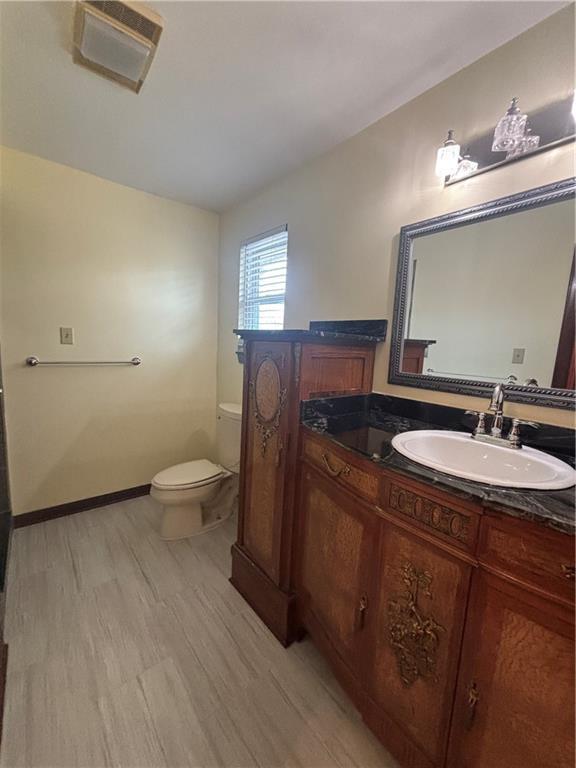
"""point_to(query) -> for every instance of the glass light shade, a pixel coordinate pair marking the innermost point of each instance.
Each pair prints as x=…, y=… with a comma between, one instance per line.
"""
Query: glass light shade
x=526, y=144
x=465, y=168
x=113, y=49
x=510, y=129
x=447, y=158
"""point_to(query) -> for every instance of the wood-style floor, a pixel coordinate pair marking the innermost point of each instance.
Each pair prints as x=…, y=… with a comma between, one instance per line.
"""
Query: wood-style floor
x=128, y=651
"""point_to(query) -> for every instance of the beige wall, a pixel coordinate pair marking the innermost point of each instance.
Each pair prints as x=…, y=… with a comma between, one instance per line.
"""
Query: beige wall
x=134, y=274
x=344, y=210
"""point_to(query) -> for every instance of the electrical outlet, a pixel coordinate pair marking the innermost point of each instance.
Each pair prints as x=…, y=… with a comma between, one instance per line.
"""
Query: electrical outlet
x=518, y=355
x=66, y=335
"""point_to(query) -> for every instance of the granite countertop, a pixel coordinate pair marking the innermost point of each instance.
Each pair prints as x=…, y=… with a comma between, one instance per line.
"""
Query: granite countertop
x=367, y=424
x=309, y=336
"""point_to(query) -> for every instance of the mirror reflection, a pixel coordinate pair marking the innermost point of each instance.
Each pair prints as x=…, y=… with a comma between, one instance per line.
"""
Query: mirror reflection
x=493, y=300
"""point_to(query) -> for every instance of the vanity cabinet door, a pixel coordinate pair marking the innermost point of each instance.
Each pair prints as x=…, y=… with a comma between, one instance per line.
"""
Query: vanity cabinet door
x=264, y=454
x=329, y=369
x=416, y=631
x=514, y=705
x=337, y=545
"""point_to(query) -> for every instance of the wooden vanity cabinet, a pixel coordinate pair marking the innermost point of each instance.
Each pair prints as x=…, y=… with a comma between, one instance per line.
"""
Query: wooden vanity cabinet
x=280, y=370
x=514, y=706
x=416, y=623
x=414, y=353
x=265, y=455
x=338, y=538
x=451, y=626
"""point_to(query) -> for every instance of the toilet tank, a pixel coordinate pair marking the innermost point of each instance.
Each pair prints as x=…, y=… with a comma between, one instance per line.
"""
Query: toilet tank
x=228, y=429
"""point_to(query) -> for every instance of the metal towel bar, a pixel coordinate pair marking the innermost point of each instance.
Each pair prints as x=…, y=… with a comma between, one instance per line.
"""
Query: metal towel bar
x=33, y=362
x=510, y=379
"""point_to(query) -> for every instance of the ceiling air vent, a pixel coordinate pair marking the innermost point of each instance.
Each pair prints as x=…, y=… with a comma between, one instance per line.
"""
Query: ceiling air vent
x=117, y=40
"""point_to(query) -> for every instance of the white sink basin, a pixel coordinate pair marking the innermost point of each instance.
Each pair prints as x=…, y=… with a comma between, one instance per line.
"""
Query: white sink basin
x=457, y=453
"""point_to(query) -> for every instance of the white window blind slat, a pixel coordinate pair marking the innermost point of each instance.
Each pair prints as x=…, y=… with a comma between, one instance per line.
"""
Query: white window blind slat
x=263, y=266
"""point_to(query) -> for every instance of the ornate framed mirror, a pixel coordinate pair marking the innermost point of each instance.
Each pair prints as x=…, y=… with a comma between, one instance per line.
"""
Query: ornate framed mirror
x=487, y=295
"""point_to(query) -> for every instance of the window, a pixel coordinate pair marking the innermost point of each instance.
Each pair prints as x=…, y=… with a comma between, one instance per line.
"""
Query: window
x=263, y=280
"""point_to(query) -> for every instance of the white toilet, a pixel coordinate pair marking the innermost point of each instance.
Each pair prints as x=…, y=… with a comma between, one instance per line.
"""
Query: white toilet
x=199, y=495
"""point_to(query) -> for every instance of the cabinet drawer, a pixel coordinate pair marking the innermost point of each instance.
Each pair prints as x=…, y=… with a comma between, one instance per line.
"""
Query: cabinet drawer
x=432, y=512
x=341, y=468
x=530, y=552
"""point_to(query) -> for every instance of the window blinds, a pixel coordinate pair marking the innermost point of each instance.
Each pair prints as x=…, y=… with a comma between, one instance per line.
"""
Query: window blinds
x=263, y=261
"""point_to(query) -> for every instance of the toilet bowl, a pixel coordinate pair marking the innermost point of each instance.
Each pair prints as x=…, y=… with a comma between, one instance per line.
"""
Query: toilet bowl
x=199, y=495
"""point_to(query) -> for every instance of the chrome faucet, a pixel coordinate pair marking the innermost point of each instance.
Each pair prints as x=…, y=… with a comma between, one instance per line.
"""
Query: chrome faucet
x=497, y=408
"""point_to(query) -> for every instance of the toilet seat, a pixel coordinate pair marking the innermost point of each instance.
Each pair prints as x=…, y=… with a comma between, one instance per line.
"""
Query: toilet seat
x=191, y=474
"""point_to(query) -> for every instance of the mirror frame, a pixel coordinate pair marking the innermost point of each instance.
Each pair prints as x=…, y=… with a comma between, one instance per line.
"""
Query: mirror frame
x=522, y=201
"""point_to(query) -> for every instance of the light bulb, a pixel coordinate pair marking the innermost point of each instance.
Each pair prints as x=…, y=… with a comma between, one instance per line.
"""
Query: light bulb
x=447, y=157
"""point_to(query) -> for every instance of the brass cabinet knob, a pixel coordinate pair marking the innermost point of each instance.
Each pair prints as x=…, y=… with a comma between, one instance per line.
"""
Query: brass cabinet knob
x=362, y=608
x=569, y=572
x=472, y=702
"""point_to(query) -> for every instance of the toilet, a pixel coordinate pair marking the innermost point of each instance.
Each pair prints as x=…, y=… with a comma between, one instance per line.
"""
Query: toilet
x=198, y=495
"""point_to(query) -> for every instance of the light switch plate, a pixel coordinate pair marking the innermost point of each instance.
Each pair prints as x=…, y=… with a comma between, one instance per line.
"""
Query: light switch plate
x=66, y=335
x=518, y=355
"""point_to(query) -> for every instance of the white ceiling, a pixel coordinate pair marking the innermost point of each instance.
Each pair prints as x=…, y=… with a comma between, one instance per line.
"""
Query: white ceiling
x=239, y=92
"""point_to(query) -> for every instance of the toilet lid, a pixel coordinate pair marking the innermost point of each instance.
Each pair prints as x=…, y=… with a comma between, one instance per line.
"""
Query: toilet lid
x=189, y=473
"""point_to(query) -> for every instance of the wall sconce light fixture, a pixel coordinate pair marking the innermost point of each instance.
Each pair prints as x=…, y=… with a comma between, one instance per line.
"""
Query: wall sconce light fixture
x=447, y=157
x=513, y=138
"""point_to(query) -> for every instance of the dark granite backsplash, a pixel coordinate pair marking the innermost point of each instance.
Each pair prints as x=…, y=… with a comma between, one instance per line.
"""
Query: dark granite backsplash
x=377, y=409
x=367, y=423
x=312, y=335
x=374, y=328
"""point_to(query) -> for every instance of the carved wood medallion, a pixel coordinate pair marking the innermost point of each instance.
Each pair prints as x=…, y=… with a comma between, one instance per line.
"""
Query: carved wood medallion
x=430, y=513
x=269, y=399
x=413, y=636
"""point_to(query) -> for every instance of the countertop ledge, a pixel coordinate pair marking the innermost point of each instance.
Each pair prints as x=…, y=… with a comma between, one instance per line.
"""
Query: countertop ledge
x=371, y=438
x=314, y=337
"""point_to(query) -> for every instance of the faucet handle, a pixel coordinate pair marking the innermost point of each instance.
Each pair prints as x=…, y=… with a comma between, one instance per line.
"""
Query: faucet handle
x=521, y=422
x=481, y=426
x=514, y=434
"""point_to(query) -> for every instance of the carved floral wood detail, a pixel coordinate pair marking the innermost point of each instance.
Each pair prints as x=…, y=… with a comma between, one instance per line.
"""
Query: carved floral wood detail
x=413, y=636
x=269, y=400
